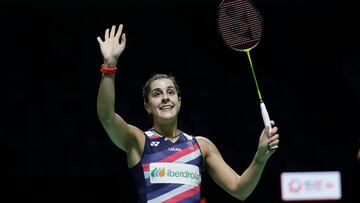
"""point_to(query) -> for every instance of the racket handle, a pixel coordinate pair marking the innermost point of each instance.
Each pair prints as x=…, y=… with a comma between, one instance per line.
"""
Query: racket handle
x=266, y=118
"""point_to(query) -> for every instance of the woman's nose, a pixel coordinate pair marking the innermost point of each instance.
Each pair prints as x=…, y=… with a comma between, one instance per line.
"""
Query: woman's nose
x=165, y=98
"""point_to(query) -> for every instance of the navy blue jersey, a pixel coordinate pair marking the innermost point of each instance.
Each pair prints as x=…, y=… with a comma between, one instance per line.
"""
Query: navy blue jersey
x=167, y=171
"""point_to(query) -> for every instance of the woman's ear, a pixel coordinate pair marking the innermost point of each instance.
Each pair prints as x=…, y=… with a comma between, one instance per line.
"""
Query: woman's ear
x=180, y=105
x=147, y=108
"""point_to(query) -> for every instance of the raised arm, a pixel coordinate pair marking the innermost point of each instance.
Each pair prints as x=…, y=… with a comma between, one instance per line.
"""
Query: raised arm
x=125, y=136
x=239, y=186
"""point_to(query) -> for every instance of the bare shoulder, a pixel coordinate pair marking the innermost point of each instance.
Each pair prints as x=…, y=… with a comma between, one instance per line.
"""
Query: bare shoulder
x=202, y=140
x=206, y=145
x=135, y=130
x=137, y=134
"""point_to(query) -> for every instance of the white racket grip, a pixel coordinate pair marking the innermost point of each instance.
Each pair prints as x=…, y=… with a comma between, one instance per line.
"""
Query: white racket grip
x=265, y=115
x=266, y=118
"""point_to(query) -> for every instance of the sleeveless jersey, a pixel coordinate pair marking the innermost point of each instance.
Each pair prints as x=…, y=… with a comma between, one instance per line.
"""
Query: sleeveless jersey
x=169, y=172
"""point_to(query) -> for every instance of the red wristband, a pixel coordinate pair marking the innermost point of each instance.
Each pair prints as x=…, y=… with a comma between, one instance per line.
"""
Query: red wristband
x=107, y=70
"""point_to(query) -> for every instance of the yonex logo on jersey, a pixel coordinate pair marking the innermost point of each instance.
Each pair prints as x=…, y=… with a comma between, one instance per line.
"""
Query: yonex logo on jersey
x=154, y=143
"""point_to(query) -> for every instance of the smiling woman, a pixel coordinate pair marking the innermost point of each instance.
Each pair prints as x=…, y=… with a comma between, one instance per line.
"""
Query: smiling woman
x=162, y=100
x=167, y=163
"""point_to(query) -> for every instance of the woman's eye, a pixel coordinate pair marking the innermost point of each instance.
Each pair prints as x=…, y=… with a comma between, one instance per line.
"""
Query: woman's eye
x=171, y=92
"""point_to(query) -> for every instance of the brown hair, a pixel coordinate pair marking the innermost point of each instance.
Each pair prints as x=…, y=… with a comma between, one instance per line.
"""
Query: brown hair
x=146, y=88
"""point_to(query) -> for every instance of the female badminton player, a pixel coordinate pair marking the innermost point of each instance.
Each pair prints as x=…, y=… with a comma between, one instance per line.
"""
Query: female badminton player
x=167, y=163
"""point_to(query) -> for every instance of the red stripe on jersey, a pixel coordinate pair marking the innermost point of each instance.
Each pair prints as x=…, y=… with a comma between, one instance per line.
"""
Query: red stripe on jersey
x=146, y=167
x=178, y=155
x=184, y=195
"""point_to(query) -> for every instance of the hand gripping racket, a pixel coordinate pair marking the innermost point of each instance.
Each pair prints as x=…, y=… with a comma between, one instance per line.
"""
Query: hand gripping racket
x=240, y=27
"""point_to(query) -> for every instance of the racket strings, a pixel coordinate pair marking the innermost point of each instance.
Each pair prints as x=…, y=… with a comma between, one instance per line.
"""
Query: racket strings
x=240, y=24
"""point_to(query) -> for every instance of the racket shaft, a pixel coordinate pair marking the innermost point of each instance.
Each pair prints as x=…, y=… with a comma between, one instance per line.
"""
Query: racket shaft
x=266, y=118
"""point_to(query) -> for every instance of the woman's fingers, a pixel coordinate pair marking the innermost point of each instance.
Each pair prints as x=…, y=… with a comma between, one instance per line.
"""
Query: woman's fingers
x=272, y=122
x=273, y=145
x=106, y=34
x=123, y=39
x=99, y=40
x=274, y=130
x=119, y=31
x=112, y=32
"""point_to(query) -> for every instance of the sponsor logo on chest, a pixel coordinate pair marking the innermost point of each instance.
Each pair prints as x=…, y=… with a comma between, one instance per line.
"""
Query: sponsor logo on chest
x=174, y=173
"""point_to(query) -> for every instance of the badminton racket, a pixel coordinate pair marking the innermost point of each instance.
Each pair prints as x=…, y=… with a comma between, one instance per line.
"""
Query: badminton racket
x=240, y=26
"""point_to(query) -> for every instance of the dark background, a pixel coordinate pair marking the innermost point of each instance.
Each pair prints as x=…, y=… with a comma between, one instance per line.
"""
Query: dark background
x=306, y=64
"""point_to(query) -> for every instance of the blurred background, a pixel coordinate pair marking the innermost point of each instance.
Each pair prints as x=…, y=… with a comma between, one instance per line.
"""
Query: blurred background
x=306, y=63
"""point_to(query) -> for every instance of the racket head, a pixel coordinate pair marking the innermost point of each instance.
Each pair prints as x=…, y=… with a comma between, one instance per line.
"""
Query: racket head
x=239, y=24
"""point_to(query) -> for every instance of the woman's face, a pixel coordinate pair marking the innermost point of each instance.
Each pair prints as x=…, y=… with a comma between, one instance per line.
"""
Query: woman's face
x=164, y=102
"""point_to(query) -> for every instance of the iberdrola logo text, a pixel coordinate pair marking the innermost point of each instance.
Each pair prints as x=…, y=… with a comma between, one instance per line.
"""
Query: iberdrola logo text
x=161, y=172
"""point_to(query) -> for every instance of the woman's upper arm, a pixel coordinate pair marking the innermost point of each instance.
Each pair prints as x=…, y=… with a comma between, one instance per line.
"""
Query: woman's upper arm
x=216, y=167
x=122, y=134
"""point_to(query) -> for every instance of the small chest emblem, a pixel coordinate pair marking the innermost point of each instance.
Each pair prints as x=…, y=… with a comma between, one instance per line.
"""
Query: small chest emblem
x=154, y=143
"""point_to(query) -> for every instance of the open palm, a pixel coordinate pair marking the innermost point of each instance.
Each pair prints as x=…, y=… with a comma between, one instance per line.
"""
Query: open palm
x=112, y=46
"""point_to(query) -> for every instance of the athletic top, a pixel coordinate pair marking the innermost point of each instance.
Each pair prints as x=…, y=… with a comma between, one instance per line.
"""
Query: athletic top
x=167, y=171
